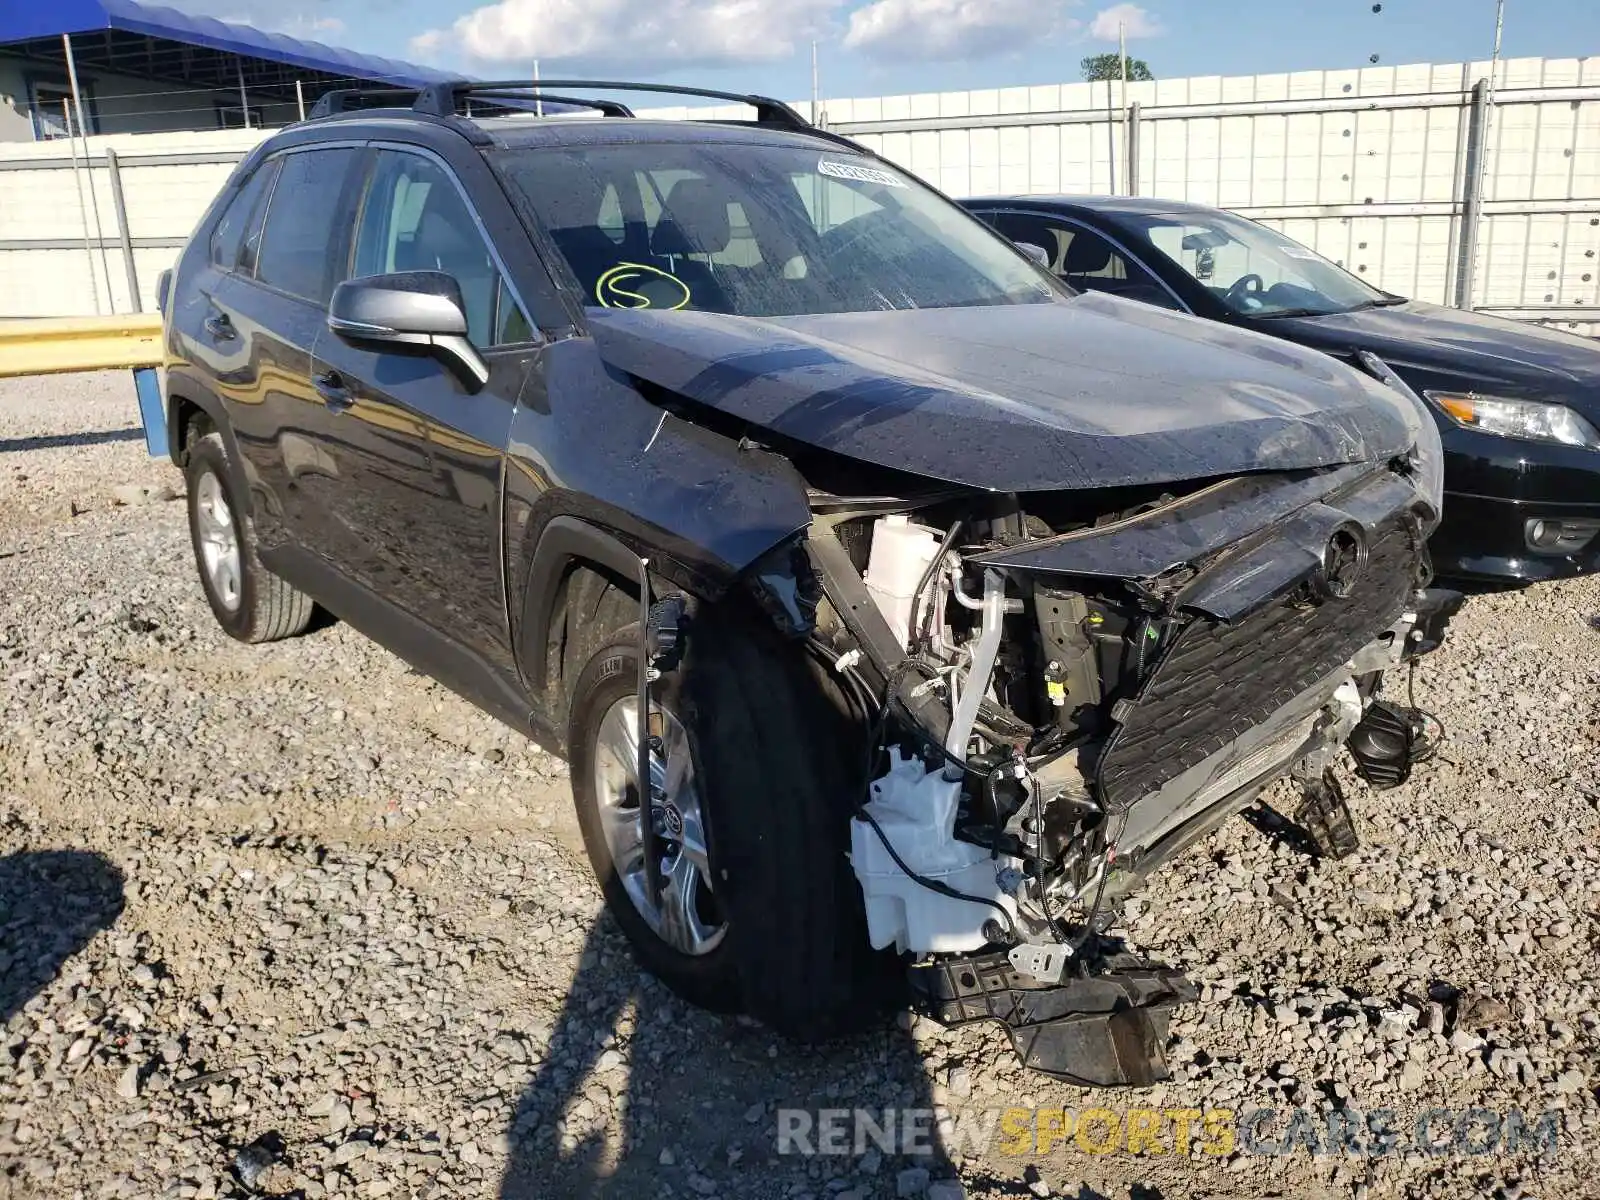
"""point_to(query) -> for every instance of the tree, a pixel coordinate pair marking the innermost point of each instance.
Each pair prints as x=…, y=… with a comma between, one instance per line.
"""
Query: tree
x=1109, y=66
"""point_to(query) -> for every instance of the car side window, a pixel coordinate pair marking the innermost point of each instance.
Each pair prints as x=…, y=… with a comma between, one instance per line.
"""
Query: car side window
x=414, y=219
x=511, y=324
x=229, y=234
x=250, y=251
x=307, y=222
x=1083, y=258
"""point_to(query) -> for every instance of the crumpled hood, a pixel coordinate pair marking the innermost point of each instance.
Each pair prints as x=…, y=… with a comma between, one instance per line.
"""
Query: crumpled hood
x=1088, y=392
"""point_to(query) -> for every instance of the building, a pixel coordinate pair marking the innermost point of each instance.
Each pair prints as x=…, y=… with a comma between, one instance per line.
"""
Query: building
x=147, y=69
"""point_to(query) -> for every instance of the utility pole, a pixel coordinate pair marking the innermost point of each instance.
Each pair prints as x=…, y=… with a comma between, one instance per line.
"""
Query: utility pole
x=1494, y=61
x=1473, y=223
x=816, y=89
x=1122, y=48
x=538, y=97
x=88, y=170
x=244, y=97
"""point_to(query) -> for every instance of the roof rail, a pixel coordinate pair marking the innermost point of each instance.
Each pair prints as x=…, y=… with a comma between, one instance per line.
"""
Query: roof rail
x=343, y=100
x=441, y=99
x=609, y=108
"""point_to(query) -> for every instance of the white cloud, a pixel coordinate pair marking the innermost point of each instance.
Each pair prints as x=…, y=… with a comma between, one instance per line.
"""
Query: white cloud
x=1134, y=22
x=311, y=27
x=676, y=32
x=297, y=18
x=951, y=29
x=428, y=45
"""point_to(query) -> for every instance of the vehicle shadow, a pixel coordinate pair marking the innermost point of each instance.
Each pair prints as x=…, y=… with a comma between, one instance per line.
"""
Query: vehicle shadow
x=58, y=441
x=699, y=1105
x=52, y=902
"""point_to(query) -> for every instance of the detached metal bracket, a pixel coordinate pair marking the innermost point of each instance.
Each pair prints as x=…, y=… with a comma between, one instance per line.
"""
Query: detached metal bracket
x=660, y=648
x=647, y=804
x=1044, y=963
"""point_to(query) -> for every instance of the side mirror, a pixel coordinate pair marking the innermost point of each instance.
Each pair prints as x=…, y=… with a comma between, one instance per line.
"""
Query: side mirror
x=1038, y=253
x=411, y=308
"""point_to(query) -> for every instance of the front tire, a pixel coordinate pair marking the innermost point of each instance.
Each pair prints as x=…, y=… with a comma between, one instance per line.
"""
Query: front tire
x=680, y=936
x=777, y=759
x=249, y=601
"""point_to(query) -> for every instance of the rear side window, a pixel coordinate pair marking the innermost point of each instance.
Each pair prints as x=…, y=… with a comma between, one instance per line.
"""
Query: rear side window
x=252, y=238
x=228, y=235
x=303, y=244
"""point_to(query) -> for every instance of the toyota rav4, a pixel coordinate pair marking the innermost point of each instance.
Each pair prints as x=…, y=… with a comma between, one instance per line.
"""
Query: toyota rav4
x=897, y=608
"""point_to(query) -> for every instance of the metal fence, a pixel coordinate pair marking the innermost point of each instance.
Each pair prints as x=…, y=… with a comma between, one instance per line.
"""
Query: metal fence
x=1414, y=177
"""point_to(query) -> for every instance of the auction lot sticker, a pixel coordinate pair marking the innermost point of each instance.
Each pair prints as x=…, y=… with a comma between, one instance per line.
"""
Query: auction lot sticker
x=844, y=170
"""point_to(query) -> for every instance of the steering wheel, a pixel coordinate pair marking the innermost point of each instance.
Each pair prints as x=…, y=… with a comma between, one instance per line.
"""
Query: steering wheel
x=1244, y=287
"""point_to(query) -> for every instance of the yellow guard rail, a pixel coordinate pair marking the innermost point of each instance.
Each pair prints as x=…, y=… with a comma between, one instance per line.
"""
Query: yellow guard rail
x=57, y=344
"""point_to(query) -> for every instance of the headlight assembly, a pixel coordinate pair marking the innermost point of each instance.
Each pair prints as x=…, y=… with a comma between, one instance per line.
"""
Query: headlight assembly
x=1532, y=420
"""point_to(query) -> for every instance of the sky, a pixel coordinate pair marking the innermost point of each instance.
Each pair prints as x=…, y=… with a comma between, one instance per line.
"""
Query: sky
x=880, y=47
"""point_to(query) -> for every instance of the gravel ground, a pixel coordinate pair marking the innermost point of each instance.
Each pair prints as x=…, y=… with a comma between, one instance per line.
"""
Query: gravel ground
x=294, y=920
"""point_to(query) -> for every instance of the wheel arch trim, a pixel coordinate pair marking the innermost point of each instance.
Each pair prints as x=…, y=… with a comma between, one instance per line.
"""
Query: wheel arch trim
x=564, y=541
x=177, y=433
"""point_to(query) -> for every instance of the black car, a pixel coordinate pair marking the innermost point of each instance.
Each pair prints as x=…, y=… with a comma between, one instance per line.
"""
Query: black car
x=1518, y=406
x=937, y=604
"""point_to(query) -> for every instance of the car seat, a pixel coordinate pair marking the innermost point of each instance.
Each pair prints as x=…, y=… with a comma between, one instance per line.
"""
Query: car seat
x=695, y=221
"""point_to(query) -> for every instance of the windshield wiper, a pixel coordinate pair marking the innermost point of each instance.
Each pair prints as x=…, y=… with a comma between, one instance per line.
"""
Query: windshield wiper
x=1383, y=302
x=1295, y=312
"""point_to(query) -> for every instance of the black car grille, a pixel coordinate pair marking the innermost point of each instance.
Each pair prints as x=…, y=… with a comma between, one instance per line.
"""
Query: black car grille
x=1215, y=682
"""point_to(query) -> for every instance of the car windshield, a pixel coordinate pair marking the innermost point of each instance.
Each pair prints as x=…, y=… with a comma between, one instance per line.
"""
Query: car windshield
x=1255, y=271
x=761, y=230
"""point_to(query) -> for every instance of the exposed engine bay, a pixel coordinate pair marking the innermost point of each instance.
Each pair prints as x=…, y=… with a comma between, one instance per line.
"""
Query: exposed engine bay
x=1065, y=698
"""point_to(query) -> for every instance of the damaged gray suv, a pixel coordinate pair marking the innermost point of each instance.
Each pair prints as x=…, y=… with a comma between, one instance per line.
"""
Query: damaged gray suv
x=898, y=609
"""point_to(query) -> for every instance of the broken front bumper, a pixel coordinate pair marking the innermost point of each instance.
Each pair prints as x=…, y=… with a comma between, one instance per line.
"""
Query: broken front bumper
x=1104, y=1030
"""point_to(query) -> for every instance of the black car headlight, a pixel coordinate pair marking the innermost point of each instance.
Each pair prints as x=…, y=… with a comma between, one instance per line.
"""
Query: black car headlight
x=1530, y=420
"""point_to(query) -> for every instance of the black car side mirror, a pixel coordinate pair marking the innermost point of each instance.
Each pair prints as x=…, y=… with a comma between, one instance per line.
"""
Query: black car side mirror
x=410, y=308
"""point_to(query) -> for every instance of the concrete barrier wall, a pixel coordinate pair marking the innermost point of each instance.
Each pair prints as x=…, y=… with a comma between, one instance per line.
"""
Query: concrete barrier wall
x=53, y=202
x=1374, y=167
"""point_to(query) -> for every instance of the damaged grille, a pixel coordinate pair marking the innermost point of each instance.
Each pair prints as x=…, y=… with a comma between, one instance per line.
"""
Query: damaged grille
x=1215, y=681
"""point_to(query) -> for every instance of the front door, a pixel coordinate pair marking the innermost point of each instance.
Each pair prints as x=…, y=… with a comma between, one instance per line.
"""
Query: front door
x=420, y=456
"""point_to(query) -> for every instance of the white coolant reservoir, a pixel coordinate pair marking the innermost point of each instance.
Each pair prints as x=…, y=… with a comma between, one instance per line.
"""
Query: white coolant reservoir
x=900, y=554
x=916, y=809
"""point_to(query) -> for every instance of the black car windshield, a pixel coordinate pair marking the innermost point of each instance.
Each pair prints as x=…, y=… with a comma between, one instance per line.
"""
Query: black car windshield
x=1255, y=271
x=762, y=230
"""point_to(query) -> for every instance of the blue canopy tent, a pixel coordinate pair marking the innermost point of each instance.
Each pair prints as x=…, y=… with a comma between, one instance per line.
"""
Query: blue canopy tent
x=182, y=55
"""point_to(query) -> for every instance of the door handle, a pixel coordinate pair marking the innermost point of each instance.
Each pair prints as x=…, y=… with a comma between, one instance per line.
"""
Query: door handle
x=221, y=328
x=330, y=386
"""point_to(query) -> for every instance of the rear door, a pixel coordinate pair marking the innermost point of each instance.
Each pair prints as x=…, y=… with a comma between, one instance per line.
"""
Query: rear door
x=218, y=322
x=421, y=456
x=269, y=313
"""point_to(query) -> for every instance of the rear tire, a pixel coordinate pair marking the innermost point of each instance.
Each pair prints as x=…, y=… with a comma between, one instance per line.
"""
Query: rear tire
x=778, y=757
x=249, y=601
